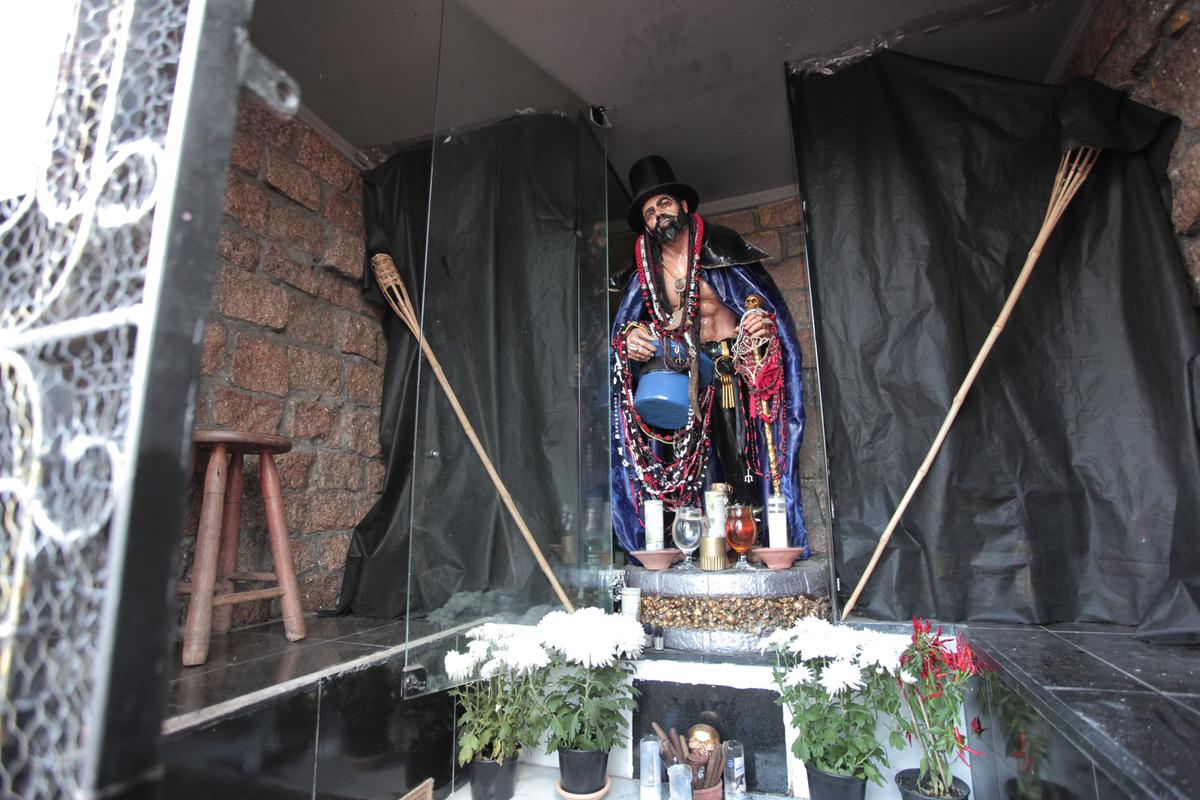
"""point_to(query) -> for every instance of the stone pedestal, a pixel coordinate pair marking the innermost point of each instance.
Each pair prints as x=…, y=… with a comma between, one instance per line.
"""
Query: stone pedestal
x=730, y=611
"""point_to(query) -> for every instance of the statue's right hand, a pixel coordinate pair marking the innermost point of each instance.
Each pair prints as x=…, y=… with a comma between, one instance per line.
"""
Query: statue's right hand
x=639, y=345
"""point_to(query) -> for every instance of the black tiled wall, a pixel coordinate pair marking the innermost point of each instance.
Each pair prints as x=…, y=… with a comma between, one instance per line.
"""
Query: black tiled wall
x=749, y=715
x=351, y=738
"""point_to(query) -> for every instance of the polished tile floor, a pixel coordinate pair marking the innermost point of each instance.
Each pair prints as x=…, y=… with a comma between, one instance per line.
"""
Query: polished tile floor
x=1132, y=708
x=249, y=661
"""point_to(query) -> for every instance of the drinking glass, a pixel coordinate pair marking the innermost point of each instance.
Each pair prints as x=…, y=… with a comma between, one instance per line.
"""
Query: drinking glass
x=740, y=532
x=686, y=531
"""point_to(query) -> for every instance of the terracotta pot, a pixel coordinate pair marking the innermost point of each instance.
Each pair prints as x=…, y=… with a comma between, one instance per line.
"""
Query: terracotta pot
x=906, y=780
x=655, y=560
x=491, y=780
x=776, y=557
x=711, y=793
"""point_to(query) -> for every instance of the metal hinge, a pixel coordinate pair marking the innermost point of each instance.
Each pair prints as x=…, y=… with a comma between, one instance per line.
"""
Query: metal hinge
x=262, y=76
x=414, y=679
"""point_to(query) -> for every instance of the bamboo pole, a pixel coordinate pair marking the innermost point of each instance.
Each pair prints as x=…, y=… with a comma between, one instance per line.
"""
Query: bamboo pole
x=397, y=297
x=1073, y=169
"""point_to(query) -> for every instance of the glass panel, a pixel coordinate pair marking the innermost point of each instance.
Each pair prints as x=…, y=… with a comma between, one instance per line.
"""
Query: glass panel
x=513, y=304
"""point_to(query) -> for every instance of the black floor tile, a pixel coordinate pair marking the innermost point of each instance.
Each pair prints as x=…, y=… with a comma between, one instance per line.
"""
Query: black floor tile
x=388, y=635
x=1090, y=627
x=259, y=641
x=1189, y=701
x=1164, y=667
x=1048, y=660
x=1152, y=729
x=193, y=691
x=238, y=647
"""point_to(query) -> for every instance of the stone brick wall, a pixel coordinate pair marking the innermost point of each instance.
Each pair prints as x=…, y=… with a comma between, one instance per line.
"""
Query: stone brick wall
x=1151, y=49
x=292, y=349
x=775, y=228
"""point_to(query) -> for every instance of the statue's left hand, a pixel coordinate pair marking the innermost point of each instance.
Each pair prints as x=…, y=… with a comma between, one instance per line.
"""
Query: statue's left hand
x=760, y=326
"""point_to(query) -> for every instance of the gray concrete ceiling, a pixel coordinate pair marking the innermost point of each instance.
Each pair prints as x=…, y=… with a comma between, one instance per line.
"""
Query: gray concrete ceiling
x=699, y=81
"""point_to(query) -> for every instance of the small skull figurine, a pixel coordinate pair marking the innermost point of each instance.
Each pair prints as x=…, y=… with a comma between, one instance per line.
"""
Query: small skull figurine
x=703, y=739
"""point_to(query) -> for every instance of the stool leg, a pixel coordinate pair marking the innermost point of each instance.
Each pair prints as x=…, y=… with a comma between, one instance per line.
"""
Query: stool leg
x=231, y=526
x=281, y=547
x=204, y=563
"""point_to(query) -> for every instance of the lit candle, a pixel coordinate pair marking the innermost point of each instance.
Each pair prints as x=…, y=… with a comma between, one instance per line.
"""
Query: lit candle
x=777, y=534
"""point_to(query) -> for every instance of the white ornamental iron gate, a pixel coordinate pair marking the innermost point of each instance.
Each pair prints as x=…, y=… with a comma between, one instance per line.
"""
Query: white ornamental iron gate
x=108, y=259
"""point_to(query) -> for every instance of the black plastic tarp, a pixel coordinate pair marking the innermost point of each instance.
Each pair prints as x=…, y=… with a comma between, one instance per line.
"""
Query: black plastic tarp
x=1069, y=487
x=501, y=313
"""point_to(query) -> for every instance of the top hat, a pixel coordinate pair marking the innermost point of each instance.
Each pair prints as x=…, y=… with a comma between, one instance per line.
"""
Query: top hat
x=650, y=176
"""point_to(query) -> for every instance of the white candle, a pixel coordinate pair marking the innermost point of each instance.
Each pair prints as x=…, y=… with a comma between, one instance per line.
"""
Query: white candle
x=654, y=524
x=777, y=535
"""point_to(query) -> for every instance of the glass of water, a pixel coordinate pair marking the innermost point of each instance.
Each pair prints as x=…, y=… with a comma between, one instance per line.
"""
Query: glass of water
x=686, y=531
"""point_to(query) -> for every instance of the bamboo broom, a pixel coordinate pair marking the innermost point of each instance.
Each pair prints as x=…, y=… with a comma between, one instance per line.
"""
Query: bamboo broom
x=1073, y=169
x=397, y=297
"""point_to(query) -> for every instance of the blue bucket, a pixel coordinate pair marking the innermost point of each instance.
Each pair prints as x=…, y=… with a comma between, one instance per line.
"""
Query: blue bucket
x=661, y=398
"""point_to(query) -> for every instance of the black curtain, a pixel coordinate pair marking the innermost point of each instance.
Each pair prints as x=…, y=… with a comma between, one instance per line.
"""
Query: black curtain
x=1068, y=488
x=500, y=309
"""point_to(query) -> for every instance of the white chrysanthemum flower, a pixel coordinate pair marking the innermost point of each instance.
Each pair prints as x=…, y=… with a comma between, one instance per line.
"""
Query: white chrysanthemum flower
x=907, y=677
x=826, y=641
x=522, y=651
x=628, y=638
x=459, y=665
x=590, y=637
x=492, y=666
x=841, y=674
x=882, y=649
x=487, y=632
x=798, y=676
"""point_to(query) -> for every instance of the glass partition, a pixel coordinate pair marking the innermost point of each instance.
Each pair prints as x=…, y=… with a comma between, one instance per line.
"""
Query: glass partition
x=510, y=513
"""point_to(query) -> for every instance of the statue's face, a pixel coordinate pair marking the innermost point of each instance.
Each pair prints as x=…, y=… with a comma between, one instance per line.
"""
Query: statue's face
x=662, y=215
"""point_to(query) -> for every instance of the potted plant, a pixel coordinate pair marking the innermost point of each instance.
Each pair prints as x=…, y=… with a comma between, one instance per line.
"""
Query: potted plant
x=588, y=690
x=1026, y=742
x=835, y=679
x=504, y=666
x=934, y=678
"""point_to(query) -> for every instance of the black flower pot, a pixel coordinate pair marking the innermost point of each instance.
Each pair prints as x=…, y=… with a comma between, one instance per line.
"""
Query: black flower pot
x=824, y=785
x=492, y=780
x=907, y=779
x=582, y=771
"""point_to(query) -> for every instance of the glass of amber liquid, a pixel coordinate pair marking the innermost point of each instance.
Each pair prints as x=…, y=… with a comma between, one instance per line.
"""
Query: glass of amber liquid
x=740, y=532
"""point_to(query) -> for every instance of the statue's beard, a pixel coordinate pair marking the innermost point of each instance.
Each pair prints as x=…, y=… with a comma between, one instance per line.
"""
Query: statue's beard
x=667, y=228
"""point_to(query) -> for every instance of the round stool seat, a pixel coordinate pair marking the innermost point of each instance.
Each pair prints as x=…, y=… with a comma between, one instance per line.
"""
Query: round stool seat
x=243, y=441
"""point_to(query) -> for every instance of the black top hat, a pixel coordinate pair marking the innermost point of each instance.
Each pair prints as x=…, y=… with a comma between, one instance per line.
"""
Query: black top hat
x=650, y=176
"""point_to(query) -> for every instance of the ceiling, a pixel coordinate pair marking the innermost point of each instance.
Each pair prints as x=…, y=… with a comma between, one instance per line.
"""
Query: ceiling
x=698, y=81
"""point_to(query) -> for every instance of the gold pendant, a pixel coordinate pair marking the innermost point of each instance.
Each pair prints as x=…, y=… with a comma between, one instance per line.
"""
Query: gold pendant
x=679, y=284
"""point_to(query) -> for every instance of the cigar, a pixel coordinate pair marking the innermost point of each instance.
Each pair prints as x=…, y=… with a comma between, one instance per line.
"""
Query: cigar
x=666, y=753
x=710, y=769
x=665, y=745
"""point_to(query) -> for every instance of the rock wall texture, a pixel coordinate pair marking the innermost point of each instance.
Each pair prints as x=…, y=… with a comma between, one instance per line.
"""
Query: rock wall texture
x=292, y=348
x=1151, y=49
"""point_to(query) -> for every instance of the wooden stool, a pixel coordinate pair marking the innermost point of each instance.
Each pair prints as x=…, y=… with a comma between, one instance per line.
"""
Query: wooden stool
x=214, y=566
